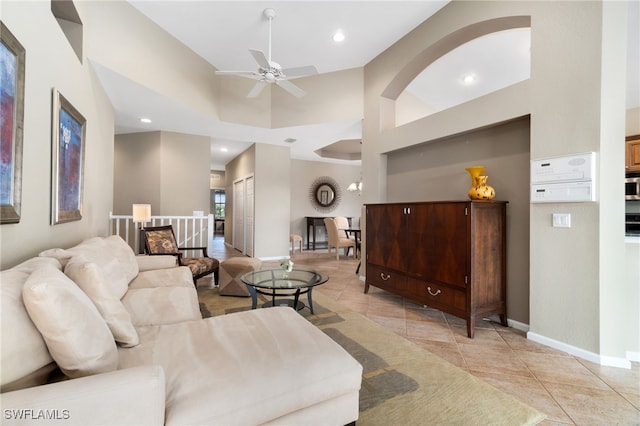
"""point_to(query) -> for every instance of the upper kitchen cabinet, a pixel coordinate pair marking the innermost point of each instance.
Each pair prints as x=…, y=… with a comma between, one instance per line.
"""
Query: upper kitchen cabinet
x=633, y=153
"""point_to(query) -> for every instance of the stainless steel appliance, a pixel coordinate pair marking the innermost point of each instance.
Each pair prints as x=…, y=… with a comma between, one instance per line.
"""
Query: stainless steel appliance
x=632, y=224
x=632, y=186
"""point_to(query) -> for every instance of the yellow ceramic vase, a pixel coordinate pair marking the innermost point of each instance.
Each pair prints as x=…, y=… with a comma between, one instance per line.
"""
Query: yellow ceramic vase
x=475, y=171
x=480, y=190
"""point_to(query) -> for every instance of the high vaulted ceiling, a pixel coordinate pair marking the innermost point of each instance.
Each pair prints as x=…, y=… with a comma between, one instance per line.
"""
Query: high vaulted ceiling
x=222, y=32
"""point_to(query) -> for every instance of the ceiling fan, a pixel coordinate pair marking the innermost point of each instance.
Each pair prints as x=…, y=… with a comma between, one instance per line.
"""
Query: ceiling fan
x=270, y=71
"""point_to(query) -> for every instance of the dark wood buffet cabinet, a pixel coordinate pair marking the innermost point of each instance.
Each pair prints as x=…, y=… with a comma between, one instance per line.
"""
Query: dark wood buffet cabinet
x=449, y=255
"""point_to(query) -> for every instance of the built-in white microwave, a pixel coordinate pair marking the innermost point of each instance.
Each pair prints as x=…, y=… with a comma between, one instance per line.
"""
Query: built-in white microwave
x=632, y=188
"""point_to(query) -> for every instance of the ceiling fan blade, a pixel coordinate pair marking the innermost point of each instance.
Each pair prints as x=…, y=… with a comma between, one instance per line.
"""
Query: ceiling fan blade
x=291, y=88
x=250, y=74
x=257, y=89
x=300, y=71
x=260, y=58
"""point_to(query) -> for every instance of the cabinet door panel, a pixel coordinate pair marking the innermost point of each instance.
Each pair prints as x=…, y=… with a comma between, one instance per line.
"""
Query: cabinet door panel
x=633, y=154
x=438, y=235
x=386, y=236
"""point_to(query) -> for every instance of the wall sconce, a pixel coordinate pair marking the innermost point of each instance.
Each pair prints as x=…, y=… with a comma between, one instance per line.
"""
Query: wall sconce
x=141, y=214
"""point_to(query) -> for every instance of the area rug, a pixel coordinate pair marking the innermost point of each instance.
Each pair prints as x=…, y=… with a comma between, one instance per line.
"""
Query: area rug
x=402, y=384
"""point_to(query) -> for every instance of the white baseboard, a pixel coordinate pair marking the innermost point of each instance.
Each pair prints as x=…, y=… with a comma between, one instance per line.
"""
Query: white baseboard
x=633, y=356
x=581, y=353
x=518, y=325
x=268, y=258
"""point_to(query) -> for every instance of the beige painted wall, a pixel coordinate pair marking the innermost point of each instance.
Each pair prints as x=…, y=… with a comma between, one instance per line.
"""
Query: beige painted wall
x=122, y=39
x=303, y=174
x=275, y=108
x=136, y=172
x=269, y=165
x=576, y=105
x=219, y=182
x=185, y=174
x=272, y=201
x=282, y=195
x=168, y=170
x=436, y=171
x=52, y=63
x=632, y=122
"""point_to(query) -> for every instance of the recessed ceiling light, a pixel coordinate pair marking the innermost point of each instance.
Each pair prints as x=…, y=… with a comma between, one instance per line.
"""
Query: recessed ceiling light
x=290, y=140
x=145, y=120
x=338, y=36
x=224, y=149
x=469, y=79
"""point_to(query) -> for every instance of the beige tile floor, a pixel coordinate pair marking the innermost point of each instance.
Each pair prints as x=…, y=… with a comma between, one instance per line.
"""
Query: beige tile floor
x=569, y=390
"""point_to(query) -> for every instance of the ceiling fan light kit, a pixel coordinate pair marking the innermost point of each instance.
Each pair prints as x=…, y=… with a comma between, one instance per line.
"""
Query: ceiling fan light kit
x=270, y=71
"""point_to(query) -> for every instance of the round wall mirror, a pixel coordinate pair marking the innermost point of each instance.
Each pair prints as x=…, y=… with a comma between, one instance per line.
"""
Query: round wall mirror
x=324, y=194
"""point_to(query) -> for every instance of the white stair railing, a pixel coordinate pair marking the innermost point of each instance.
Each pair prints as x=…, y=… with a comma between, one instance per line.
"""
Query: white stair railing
x=190, y=231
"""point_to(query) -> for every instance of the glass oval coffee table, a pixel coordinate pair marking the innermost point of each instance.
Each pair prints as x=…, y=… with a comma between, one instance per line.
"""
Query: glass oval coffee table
x=278, y=283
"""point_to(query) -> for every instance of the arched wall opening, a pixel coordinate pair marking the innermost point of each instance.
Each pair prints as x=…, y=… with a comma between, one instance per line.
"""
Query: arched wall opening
x=399, y=106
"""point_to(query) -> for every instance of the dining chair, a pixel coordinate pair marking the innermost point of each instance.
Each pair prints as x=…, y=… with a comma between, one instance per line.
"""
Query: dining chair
x=342, y=223
x=335, y=240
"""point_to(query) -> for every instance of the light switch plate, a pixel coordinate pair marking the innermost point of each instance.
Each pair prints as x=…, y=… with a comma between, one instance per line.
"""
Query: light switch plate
x=562, y=220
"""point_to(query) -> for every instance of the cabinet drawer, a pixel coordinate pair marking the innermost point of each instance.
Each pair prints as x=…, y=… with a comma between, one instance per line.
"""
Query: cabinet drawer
x=385, y=278
x=438, y=296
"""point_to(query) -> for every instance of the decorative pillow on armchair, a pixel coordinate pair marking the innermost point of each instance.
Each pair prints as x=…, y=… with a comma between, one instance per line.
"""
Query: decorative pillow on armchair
x=90, y=278
x=76, y=335
x=161, y=241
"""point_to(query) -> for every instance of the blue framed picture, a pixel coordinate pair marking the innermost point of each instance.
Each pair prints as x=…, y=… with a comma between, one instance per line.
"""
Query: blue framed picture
x=12, y=62
x=69, y=129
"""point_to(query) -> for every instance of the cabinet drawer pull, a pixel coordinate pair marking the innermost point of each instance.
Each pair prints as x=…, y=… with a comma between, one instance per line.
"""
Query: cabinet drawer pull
x=384, y=278
x=432, y=293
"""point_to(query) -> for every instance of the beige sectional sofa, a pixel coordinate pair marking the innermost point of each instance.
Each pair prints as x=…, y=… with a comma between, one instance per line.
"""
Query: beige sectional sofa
x=96, y=335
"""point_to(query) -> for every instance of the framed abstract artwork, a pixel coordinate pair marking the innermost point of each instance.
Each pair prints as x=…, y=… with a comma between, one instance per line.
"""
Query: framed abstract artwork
x=67, y=165
x=12, y=62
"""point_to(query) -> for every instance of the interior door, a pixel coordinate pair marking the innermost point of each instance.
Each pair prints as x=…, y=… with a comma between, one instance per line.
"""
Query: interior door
x=238, y=215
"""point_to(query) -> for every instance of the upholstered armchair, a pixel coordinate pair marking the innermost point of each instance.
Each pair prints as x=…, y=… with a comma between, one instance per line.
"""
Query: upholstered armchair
x=160, y=240
x=335, y=240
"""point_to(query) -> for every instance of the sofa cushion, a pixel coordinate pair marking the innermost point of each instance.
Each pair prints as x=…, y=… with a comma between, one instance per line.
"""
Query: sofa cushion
x=147, y=263
x=22, y=348
x=244, y=368
x=89, y=277
x=162, y=305
x=179, y=276
x=130, y=397
x=76, y=335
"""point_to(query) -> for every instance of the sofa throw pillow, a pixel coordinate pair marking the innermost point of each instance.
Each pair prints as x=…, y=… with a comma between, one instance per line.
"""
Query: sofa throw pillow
x=90, y=278
x=76, y=335
x=99, y=251
x=125, y=256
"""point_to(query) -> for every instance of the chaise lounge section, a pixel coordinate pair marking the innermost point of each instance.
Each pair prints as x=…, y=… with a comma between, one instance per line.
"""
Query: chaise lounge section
x=87, y=352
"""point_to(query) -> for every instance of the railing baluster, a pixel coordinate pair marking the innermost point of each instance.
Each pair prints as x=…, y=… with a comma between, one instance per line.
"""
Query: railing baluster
x=190, y=231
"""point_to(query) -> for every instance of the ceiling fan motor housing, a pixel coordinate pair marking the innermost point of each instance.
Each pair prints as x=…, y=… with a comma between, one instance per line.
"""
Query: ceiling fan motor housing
x=269, y=13
x=270, y=71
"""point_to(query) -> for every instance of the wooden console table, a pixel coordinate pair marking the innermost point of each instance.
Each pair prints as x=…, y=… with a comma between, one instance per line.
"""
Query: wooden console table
x=314, y=222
